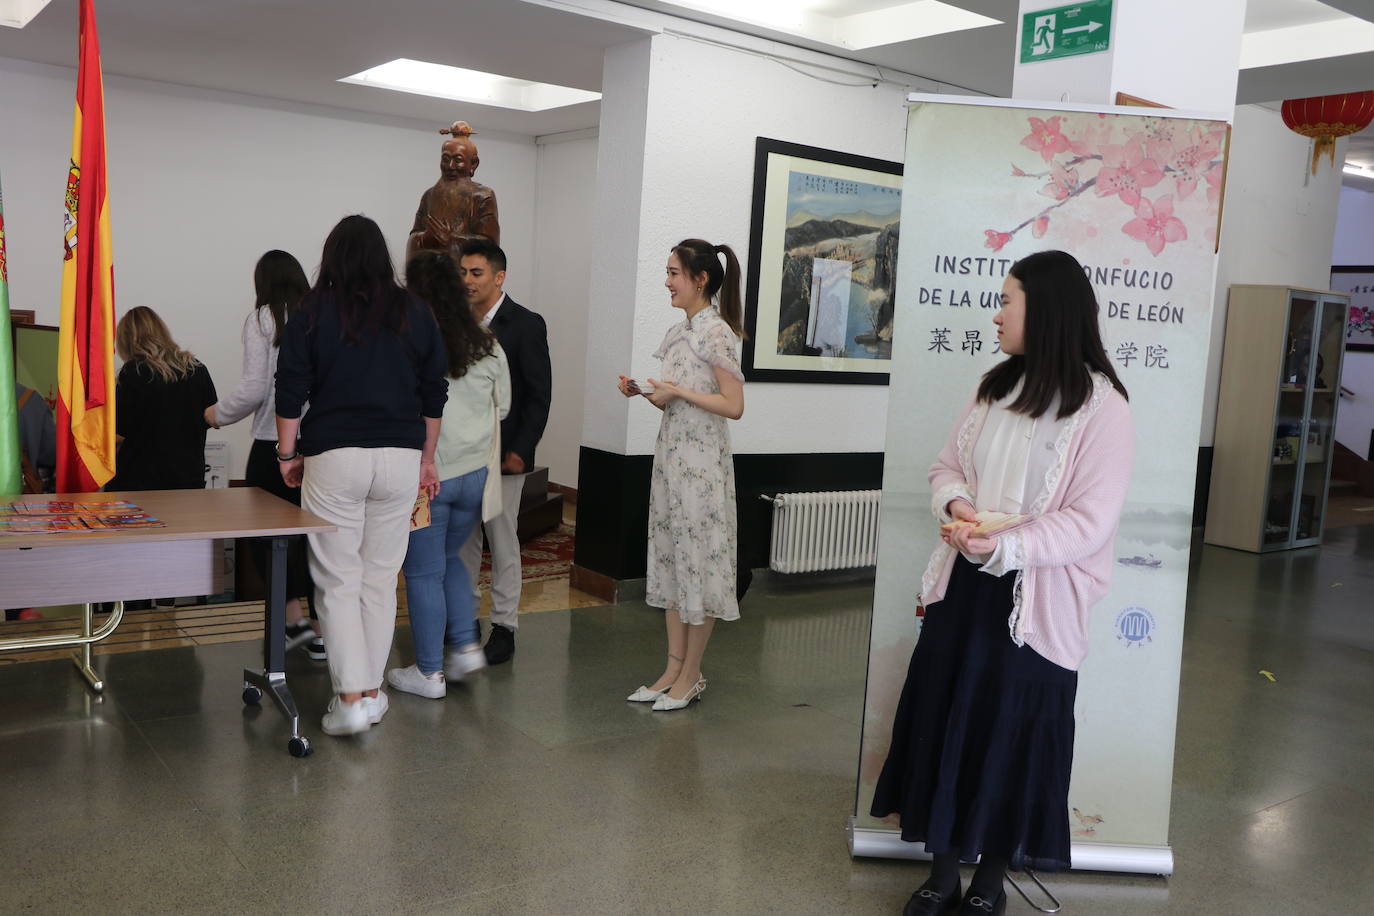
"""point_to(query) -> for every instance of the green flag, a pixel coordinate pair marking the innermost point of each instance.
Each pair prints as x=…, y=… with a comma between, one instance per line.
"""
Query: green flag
x=10, y=476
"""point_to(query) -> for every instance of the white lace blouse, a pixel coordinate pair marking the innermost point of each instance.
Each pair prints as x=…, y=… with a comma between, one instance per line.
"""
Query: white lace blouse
x=1011, y=458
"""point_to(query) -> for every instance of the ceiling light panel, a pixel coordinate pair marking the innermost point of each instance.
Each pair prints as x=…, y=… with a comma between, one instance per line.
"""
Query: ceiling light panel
x=1262, y=15
x=445, y=82
x=18, y=13
x=1312, y=40
x=851, y=24
x=905, y=22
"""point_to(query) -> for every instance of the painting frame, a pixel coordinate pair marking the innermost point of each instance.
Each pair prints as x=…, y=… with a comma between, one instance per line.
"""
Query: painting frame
x=1357, y=340
x=763, y=358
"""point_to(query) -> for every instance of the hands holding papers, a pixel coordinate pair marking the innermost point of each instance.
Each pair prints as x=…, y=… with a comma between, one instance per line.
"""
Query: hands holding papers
x=976, y=532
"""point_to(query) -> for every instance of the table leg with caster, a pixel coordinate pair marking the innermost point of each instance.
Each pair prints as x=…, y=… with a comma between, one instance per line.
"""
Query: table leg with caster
x=256, y=683
x=271, y=680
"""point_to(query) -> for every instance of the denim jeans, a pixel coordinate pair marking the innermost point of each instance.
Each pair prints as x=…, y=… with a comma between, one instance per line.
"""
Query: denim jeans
x=438, y=589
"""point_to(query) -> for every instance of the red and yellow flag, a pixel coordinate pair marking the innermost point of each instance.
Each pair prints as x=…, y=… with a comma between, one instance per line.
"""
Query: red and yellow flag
x=85, y=352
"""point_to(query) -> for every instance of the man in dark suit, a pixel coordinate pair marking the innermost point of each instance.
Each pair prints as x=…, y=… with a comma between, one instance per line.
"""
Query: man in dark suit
x=525, y=339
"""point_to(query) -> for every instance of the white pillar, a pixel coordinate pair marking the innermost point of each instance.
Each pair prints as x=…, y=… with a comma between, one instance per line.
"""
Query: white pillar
x=1179, y=53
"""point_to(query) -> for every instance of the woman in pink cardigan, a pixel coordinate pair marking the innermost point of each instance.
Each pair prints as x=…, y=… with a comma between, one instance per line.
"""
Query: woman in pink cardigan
x=982, y=742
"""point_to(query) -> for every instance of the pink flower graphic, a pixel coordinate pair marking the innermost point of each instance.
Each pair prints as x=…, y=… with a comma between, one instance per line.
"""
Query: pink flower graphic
x=1146, y=152
x=1063, y=182
x=1213, y=177
x=1188, y=156
x=1361, y=320
x=995, y=240
x=1046, y=138
x=1092, y=138
x=1168, y=131
x=1126, y=172
x=1155, y=224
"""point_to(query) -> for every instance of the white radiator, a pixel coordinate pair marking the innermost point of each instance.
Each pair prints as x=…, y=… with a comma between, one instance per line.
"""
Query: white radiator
x=817, y=531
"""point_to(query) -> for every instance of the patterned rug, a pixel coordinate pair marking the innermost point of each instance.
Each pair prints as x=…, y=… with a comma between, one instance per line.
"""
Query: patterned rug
x=548, y=556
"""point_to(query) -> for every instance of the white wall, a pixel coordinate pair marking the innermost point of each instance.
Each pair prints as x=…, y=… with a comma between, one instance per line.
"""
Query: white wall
x=1354, y=242
x=1276, y=225
x=706, y=104
x=202, y=183
x=565, y=194
x=1354, y=247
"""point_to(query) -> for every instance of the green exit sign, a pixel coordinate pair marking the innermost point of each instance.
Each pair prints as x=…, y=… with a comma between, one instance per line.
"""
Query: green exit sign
x=1081, y=28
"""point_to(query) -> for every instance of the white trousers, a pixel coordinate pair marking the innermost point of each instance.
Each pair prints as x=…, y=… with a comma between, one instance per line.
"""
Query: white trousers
x=367, y=493
x=505, y=553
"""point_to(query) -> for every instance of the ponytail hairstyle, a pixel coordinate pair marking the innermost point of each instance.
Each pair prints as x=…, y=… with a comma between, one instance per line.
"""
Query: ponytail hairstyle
x=698, y=257
x=1063, y=342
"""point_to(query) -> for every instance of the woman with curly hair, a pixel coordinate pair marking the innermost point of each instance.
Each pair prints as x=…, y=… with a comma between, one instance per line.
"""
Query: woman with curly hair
x=443, y=619
x=160, y=401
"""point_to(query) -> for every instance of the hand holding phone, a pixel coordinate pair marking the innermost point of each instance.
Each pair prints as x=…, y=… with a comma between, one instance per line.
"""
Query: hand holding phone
x=630, y=387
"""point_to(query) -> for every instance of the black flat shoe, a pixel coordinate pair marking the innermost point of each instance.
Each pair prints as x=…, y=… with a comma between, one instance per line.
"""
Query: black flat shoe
x=926, y=902
x=500, y=645
x=975, y=905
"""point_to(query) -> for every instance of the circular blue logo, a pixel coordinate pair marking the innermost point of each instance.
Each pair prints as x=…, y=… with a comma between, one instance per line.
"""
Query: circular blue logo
x=1135, y=626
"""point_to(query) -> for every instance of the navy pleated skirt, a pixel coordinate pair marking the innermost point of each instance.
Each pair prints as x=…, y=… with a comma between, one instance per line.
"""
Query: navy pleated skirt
x=982, y=743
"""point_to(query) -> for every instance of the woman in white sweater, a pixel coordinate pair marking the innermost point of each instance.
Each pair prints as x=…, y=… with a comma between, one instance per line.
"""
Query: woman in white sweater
x=443, y=619
x=280, y=284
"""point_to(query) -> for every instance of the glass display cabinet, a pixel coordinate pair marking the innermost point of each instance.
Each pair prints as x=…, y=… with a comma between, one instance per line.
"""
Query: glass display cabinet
x=1276, y=417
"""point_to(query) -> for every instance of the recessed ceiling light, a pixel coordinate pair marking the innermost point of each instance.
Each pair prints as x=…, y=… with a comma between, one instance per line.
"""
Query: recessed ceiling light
x=18, y=13
x=872, y=24
x=1310, y=41
x=1354, y=168
x=445, y=82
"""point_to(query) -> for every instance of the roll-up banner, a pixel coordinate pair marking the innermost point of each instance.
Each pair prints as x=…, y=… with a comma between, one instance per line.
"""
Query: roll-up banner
x=1135, y=195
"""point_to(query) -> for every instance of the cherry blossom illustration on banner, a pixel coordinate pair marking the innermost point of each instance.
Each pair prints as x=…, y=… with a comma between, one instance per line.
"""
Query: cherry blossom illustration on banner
x=1148, y=166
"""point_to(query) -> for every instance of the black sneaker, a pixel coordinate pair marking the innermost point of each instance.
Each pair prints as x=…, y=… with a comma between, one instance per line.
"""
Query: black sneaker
x=298, y=633
x=315, y=649
x=500, y=646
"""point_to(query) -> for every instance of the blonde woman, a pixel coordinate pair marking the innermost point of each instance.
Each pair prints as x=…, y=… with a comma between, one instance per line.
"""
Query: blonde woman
x=160, y=402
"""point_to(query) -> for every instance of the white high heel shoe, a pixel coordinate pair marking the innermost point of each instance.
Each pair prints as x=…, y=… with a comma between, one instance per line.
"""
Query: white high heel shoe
x=665, y=702
x=643, y=694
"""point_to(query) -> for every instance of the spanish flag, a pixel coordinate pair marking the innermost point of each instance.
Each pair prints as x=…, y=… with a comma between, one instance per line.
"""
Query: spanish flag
x=85, y=350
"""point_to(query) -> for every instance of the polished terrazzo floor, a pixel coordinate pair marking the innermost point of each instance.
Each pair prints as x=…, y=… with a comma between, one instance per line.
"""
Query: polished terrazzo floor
x=536, y=789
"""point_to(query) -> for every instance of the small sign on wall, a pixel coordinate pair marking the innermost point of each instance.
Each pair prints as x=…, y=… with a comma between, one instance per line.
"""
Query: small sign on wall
x=1066, y=31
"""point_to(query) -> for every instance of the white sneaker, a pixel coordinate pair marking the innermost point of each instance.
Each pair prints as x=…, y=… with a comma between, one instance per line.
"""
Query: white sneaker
x=459, y=663
x=346, y=718
x=377, y=706
x=412, y=680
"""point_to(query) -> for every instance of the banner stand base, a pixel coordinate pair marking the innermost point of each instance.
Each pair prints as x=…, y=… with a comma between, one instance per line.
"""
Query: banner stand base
x=1143, y=860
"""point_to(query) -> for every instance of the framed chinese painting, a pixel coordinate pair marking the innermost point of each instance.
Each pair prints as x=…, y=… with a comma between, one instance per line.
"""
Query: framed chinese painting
x=822, y=265
x=1359, y=283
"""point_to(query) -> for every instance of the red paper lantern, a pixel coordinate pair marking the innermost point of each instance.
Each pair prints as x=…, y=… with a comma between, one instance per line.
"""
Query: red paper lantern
x=1326, y=117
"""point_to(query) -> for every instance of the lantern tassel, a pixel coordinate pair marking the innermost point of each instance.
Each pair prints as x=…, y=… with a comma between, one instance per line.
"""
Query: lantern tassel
x=1323, y=145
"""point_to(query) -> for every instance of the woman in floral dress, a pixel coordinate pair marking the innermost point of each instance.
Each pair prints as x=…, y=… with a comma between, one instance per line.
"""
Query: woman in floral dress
x=692, y=495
